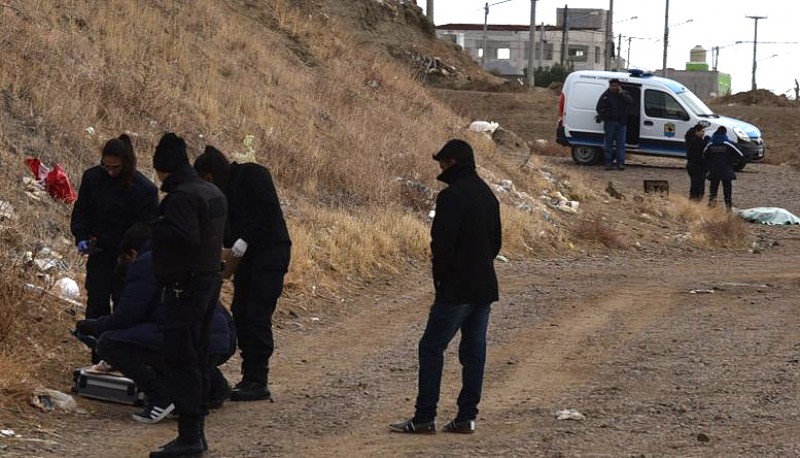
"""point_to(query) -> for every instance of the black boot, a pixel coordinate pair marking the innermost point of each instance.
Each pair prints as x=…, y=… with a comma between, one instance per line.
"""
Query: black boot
x=189, y=443
x=247, y=390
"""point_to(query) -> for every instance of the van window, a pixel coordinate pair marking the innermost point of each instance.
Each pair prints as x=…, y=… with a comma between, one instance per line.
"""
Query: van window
x=659, y=104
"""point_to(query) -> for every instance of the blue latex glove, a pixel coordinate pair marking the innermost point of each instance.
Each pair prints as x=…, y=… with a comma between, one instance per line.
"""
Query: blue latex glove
x=83, y=246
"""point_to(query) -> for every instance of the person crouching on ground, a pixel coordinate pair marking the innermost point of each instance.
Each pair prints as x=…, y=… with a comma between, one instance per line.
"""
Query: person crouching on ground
x=721, y=157
x=131, y=337
x=465, y=239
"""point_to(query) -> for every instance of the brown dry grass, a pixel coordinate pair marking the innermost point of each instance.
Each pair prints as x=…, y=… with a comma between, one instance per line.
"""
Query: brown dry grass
x=595, y=228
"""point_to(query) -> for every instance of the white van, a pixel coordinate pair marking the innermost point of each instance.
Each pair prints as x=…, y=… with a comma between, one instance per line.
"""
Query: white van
x=663, y=110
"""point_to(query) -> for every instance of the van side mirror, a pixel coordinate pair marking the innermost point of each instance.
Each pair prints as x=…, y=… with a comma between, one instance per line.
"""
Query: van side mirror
x=597, y=119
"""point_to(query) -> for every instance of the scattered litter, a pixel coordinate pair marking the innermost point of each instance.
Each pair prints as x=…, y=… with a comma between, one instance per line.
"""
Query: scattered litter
x=768, y=215
x=7, y=211
x=314, y=319
x=432, y=214
x=55, y=180
x=702, y=291
x=67, y=288
x=39, y=289
x=46, y=260
x=8, y=433
x=483, y=126
x=501, y=258
x=90, y=130
x=559, y=202
x=569, y=414
x=701, y=437
x=47, y=400
x=249, y=154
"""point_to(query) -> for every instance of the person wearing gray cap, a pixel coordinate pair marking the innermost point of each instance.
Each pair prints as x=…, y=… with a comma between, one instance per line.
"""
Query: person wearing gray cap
x=465, y=239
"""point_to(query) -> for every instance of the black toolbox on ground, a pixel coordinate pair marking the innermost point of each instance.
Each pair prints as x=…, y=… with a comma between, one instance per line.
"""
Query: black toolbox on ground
x=106, y=387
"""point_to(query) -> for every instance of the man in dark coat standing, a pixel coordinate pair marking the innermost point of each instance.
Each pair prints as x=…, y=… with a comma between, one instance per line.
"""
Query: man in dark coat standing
x=257, y=234
x=721, y=156
x=187, y=255
x=613, y=108
x=465, y=239
x=695, y=164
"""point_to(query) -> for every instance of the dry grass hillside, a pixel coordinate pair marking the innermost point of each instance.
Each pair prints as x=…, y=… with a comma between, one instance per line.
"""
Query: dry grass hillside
x=332, y=97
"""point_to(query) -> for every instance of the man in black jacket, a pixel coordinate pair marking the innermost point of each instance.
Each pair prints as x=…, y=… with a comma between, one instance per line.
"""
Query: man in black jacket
x=696, y=141
x=465, y=239
x=613, y=108
x=187, y=251
x=258, y=235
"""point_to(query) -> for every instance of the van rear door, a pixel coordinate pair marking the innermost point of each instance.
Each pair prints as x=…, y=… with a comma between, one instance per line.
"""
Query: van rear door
x=580, y=111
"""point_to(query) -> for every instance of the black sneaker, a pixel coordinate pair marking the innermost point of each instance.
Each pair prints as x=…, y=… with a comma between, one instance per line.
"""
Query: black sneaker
x=414, y=427
x=154, y=413
x=250, y=391
x=460, y=427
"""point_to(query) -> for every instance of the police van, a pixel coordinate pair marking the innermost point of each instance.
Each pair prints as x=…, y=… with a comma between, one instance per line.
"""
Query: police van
x=663, y=110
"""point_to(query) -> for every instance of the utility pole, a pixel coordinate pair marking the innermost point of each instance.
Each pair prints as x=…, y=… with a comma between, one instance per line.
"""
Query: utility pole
x=609, y=35
x=564, y=32
x=755, y=42
x=485, y=27
x=666, y=39
x=531, y=44
x=619, y=52
x=429, y=11
x=541, y=44
x=628, y=59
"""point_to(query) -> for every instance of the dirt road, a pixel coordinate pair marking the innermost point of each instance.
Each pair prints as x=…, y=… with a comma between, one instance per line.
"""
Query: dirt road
x=656, y=370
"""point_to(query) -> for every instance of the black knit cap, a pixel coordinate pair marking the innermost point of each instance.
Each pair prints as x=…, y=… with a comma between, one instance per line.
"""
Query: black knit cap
x=459, y=150
x=170, y=154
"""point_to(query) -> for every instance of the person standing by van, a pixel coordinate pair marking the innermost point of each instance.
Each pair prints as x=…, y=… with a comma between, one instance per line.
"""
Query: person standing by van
x=721, y=155
x=696, y=141
x=613, y=109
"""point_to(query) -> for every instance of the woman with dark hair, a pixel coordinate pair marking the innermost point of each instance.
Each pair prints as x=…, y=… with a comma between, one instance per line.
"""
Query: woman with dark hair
x=112, y=197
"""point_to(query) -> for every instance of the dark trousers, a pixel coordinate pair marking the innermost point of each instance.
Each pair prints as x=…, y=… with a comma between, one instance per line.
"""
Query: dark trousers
x=727, y=192
x=101, y=268
x=188, y=315
x=444, y=321
x=697, y=180
x=257, y=285
x=137, y=362
x=145, y=366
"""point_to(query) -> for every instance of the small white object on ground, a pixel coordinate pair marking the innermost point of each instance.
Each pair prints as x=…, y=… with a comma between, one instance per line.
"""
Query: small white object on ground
x=569, y=414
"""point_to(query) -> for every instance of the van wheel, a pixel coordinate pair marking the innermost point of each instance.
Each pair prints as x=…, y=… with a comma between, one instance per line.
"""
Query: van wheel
x=586, y=155
x=740, y=166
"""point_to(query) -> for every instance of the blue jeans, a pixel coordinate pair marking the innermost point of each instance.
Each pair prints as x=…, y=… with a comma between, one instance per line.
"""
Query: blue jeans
x=615, y=133
x=444, y=321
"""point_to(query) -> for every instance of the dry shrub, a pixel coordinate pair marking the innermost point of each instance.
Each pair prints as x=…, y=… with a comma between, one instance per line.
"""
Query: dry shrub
x=526, y=233
x=720, y=229
x=550, y=149
x=594, y=228
x=329, y=245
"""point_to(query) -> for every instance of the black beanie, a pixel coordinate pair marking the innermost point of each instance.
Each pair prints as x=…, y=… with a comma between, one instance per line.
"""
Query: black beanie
x=458, y=150
x=170, y=154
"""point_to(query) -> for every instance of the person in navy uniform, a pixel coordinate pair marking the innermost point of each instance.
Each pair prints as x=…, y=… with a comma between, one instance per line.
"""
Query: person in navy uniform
x=721, y=157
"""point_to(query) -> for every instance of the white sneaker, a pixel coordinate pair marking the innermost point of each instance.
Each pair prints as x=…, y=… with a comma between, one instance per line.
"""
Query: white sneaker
x=100, y=368
x=153, y=413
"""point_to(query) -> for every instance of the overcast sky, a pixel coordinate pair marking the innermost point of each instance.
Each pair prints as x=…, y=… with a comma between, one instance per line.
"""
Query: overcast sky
x=713, y=23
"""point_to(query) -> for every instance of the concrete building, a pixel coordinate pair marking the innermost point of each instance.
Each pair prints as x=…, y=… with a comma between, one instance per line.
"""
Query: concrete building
x=507, y=46
x=698, y=78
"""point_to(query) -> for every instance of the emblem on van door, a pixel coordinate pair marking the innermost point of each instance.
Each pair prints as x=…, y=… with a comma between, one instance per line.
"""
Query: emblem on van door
x=669, y=129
